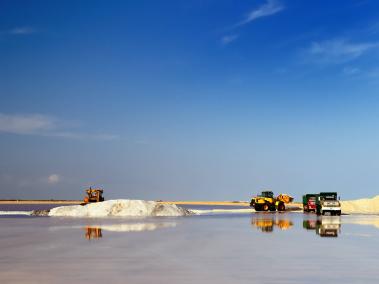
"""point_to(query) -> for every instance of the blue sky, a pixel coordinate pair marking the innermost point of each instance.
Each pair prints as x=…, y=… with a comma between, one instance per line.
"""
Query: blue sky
x=211, y=100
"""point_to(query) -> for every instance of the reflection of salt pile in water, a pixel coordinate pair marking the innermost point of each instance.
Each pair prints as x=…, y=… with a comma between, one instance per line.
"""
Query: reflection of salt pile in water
x=120, y=208
x=365, y=205
x=221, y=211
x=363, y=220
x=135, y=227
x=16, y=212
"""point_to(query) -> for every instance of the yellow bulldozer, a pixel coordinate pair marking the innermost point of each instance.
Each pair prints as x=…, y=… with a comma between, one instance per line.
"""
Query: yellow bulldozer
x=93, y=195
x=266, y=201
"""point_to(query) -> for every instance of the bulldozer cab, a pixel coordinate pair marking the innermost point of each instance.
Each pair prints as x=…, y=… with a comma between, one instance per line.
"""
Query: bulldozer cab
x=267, y=194
x=93, y=195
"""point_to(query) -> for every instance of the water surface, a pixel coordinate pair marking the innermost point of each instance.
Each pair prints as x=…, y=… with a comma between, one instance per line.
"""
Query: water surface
x=221, y=248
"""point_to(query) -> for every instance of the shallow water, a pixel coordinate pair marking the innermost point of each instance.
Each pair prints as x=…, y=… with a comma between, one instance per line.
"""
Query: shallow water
x=221, y=248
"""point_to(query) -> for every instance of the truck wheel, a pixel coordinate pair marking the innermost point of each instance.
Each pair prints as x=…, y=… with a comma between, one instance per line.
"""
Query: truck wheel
x=281, y=207
x=265, y=207
x=257, y=207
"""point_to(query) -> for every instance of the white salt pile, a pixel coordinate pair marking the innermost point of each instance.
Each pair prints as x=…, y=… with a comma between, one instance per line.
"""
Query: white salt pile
x=120, y=208
x=364, y=206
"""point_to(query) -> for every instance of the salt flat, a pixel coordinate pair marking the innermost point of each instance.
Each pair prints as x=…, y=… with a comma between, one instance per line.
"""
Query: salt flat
x=218, y=248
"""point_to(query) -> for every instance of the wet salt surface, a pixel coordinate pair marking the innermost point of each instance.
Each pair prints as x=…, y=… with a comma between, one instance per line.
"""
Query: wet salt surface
x=224, y=248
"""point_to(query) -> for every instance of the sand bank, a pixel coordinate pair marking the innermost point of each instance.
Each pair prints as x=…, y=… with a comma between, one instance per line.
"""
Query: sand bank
x=363, y=206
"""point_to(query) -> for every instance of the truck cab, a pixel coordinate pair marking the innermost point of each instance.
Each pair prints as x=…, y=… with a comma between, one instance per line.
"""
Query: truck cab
x=327, y=202
x=309, y=202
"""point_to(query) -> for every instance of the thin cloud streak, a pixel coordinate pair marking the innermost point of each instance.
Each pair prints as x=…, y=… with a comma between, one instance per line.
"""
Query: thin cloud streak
x=21, y=31
x=339, y=50
x=351, y=71
x=271, y=7
x=26, y=124
x=225, y=40
x=42, y=125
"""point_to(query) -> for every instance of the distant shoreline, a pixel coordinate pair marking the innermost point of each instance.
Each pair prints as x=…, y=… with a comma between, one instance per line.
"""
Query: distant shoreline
x=40, y=201
x=224, y=203
x=73, y=202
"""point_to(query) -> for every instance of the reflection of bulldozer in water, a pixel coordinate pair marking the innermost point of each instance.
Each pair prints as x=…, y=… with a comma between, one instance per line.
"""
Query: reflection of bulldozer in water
x=267, y=224
x=326, y=226
x=93, y=195
x=93, y=233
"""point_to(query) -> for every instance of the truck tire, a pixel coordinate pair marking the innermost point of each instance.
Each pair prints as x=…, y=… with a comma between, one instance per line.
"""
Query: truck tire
x=257, y=207
x=281, y=207
x=265, y=207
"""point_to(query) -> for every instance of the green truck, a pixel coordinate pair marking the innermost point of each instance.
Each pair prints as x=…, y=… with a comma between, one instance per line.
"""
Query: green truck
x=328, y=202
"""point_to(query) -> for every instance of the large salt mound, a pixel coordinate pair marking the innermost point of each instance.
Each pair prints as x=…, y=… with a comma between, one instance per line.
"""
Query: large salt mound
x=120, y=208
x=365, y=206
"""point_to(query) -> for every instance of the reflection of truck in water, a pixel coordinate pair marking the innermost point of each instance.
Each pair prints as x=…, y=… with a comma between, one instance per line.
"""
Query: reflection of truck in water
x=267, y=202
x=328, y=226
x=266, y=224
x=325, y=226
x=309, y=202
x=327, y=202
x=309, y=224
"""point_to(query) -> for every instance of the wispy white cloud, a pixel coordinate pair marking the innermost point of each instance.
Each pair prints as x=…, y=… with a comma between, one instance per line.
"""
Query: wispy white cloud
x=339, y=50
x=20, y=31
x=271, y=7
x=26, y=124
x=351, y=71
x=42, y=125
x=228, y=39
x=53, y=179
